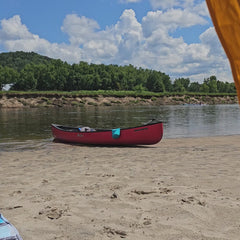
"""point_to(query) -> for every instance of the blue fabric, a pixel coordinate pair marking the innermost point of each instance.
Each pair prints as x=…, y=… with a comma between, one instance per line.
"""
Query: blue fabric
x=116, y=133
x=7, y=230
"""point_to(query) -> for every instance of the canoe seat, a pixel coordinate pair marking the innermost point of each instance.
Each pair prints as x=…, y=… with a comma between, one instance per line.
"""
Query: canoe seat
x=86, y=129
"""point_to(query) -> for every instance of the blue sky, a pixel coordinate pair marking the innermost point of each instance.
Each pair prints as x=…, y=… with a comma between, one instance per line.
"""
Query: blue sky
x=172, y=36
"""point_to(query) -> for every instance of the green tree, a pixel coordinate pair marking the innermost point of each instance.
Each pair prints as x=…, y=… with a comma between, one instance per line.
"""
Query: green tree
x=105, y=80
x=167, y=82
x=177, y=86
x=231, y=87
x=212, y=84
x=226, y=87
x=154, y=83
x=26, y=80
x=45, y=77
x=194, y=87
x=29, y=71
x=1, y=79
x=204, y=88
x=222, y=87
x=181, y=84
x=7, y=75
x=61, y=72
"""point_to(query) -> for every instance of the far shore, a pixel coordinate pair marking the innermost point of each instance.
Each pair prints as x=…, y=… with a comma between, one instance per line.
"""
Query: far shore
x=61, y=100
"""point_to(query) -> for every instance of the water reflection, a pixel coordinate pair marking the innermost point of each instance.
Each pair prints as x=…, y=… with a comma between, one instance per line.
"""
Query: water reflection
x=197, y=121
x=179, y=121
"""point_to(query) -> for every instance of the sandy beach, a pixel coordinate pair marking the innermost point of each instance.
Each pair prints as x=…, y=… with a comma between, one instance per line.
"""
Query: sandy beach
x=178, y=189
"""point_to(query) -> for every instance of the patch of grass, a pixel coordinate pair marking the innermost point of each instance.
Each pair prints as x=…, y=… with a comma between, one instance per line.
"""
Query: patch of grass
x=134, y=101
x=75, y=103
x=115, y=102
x=107, y=104
x=44, y=99
x=92, y=103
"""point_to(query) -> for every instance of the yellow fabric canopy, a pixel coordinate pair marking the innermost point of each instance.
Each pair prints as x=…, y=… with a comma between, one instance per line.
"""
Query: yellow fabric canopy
x=226, y=19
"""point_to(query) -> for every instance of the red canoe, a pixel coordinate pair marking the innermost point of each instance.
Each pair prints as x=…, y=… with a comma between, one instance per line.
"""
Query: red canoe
x=147, y=134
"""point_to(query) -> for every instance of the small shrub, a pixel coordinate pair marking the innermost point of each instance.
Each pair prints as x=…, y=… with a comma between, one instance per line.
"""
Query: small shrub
x=92, y=103
x=74, y=103
x=107, y=104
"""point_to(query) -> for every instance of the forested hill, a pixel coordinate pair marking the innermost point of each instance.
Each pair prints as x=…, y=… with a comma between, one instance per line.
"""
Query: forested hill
x=18, y=60
x=31, y=71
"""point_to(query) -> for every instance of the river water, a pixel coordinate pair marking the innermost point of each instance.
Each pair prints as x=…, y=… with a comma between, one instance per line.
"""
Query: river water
x=33, y=125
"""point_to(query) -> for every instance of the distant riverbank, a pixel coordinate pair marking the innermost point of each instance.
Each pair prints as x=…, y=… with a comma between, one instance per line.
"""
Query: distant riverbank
x=19, y=100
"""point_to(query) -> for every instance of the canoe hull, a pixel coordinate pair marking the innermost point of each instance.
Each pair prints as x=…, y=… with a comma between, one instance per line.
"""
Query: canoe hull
x=143, y=135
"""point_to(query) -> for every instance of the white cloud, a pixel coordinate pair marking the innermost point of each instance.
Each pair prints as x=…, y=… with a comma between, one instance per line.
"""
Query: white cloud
x=167, y=4
x=146, y=44
x=201, y=9
x=79, y=29
x=209, y=38
x=128, y=33
x=170, y=20
x=13, y=29
x=163, y=4
x=15, y=36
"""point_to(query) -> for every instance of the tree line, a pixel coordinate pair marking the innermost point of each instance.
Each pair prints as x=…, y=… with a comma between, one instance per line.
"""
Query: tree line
x=31, y=71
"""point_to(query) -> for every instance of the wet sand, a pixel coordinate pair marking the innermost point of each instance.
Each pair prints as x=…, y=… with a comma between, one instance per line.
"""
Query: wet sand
x=178, y=189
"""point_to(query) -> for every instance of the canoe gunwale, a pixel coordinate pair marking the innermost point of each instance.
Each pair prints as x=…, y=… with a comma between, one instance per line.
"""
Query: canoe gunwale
x=76, y=129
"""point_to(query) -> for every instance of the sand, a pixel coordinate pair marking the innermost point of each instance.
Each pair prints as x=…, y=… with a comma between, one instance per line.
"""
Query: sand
x=177, y=189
